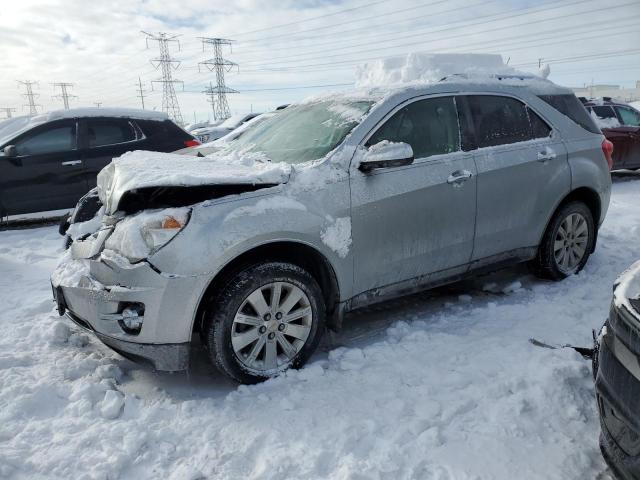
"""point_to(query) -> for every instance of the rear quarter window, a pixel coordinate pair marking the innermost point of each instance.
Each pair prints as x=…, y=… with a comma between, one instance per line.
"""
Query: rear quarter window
x=569, y=105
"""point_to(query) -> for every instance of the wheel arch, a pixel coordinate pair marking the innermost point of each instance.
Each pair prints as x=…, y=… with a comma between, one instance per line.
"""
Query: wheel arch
x=590, y=198
x=300, y=254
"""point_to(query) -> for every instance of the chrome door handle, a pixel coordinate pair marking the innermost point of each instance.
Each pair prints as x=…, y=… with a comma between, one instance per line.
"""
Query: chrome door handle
x=72, y=162
x=459, y=176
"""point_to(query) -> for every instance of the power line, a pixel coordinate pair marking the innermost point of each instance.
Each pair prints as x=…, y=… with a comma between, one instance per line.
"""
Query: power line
x=312, y=18
x=167, y=64
x=218, y=64
x=64, y=93
x=377, y=48
x=30, y=96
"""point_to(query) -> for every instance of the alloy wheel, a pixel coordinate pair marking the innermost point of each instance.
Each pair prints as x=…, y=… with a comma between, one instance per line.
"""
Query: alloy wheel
x=271, y=326
x=570, y=244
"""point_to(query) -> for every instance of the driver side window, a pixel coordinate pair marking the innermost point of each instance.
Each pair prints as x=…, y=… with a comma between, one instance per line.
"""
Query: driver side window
x=60, y=138
x=430, y=126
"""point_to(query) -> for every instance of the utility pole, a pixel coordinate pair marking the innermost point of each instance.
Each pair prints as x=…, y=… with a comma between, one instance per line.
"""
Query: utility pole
x=141, y=92
x=220, y=66
x=30, y=96
x=64, y=94
x=166, y=64
x=97, y=104
x=7, y=111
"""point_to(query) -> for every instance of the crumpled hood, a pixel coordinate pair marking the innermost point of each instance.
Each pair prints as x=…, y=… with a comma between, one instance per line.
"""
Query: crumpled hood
x=139, y=170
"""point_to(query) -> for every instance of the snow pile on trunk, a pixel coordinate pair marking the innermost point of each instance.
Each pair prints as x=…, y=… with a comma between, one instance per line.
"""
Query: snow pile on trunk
x=141, y=169
x=427, y=68
x=628, y=287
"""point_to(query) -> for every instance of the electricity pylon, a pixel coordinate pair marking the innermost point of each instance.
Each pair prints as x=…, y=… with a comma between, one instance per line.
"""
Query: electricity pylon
x=64, y=94
x=218, y=94
x=30, y=96
x=166, y=65
x=7, y=111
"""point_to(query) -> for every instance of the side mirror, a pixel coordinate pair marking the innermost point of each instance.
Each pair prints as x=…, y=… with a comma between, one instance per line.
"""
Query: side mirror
x=386, y=154
x=10, y=151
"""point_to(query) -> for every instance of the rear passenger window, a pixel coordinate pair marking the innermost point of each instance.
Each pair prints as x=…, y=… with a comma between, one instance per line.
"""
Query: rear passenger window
x=499, y=120
x=604, y=112
x=109, y=132
x=430, y=126
x=569, y=105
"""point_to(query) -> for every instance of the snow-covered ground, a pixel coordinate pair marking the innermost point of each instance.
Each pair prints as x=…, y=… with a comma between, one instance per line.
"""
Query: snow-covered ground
x=443, y=385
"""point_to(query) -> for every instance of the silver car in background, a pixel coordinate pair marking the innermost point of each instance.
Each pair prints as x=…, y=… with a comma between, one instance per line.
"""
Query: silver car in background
x=334, y=204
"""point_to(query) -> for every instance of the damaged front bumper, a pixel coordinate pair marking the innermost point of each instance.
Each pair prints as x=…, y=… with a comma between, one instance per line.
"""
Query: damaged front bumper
x=99, y=300
x=617, y=374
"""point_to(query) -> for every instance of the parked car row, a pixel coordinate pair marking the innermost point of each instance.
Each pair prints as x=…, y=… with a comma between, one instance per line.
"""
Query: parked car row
x=620, y=123
x=49, y=161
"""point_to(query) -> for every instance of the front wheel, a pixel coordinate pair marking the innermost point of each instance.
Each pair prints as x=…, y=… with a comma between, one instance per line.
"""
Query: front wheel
x=567, y=242
x=268, y=318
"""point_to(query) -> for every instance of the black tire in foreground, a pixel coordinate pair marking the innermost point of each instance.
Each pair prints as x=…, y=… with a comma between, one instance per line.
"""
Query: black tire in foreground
x=266, y=319
x=567, y=243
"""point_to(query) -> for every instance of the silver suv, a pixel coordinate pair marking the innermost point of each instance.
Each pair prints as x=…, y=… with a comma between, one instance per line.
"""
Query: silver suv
x=333, y=204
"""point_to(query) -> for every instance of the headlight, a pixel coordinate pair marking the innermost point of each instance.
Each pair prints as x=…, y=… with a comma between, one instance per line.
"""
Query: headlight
x=141, y=235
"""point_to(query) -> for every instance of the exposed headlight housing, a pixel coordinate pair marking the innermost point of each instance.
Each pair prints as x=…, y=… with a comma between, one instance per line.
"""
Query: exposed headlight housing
x=138, y=236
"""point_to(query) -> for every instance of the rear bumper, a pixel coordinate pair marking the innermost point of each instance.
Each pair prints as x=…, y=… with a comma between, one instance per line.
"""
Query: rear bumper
x=617, y=393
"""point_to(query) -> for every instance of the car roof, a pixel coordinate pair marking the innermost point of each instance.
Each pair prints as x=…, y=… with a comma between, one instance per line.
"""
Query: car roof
x=101, y=112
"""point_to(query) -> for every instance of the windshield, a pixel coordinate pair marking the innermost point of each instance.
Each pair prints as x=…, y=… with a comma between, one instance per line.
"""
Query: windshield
x=303, y=132
x=233, y=121
x=11, y=126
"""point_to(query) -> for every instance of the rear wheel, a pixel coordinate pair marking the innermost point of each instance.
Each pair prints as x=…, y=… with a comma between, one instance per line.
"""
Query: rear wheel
x=267, y=319
x=567, y=242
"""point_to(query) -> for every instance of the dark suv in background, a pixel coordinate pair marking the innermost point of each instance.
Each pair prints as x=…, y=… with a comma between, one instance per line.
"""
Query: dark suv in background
x=620, y=123
x=49, y=161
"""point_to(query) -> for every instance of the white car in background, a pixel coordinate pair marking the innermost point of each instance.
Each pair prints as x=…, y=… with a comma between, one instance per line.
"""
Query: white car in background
x=208, y=134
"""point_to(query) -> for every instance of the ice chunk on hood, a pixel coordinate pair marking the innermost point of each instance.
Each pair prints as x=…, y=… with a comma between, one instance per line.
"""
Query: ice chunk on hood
x=428, y=68
x=142, y=169
x=627, y=288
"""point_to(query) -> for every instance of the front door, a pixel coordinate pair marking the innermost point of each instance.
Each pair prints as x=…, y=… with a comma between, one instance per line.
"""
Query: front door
x=46, y=173
x=413, y=221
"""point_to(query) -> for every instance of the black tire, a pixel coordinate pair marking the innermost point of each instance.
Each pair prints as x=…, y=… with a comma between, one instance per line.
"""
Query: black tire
x=219, y=324
x=545, y=265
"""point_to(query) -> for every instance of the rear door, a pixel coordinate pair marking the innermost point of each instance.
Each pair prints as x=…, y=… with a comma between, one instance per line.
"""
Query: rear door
x=412, y=221
x=46, y=174
x=103, y=139
x=522, y=172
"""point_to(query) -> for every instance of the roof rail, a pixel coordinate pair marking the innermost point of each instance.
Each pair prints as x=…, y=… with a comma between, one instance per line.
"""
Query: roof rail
x=498, y=76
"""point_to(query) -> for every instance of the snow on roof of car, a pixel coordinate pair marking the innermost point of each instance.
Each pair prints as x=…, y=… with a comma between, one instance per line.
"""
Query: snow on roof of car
x=417, y=69
x=102, y=112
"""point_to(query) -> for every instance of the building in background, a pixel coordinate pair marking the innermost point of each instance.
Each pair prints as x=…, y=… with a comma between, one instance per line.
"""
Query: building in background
x=614, y=91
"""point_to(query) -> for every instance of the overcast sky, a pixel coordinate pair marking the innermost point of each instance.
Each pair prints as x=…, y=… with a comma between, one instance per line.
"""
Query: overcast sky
x=282, y=45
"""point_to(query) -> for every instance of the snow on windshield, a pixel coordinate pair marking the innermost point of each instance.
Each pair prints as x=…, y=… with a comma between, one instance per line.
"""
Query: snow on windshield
x=304, y=132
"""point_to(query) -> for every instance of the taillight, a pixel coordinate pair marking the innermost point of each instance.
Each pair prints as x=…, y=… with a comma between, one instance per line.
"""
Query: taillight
x=607, y=149
x=191, y=143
